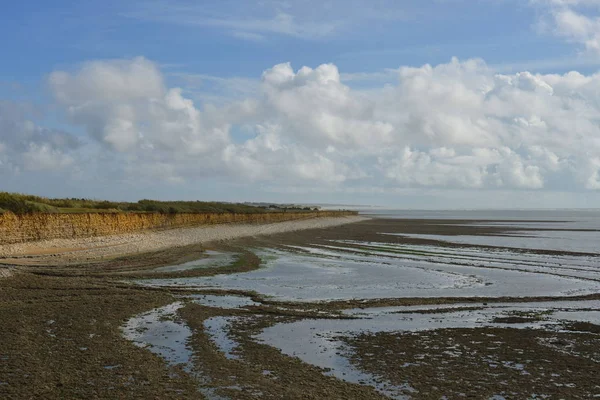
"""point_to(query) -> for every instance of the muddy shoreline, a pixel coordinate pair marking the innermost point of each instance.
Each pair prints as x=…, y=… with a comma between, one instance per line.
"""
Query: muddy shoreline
x=61, y=329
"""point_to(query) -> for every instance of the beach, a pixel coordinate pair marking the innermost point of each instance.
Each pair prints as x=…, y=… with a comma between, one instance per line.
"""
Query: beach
x=88, y=249
x=358, y=307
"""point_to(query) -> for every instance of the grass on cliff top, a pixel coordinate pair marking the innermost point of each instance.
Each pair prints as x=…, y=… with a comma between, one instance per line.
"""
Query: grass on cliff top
x=23, y=204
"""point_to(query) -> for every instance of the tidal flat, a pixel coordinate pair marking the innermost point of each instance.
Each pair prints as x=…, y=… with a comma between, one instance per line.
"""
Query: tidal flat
x=382, y=308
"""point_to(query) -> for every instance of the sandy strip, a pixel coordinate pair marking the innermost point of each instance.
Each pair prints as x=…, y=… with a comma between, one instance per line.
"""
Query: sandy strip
x=111, y=246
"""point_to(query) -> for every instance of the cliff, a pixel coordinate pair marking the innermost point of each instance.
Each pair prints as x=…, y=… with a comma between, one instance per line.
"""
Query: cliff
x=41, y=226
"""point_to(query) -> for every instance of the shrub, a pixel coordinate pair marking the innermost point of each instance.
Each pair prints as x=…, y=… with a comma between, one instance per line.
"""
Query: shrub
x=16, y=203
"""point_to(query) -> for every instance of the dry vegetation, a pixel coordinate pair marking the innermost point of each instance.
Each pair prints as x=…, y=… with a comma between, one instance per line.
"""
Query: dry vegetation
x=25, y=204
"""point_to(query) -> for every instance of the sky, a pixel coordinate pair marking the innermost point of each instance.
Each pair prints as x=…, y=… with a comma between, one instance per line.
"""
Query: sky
x=401, y=104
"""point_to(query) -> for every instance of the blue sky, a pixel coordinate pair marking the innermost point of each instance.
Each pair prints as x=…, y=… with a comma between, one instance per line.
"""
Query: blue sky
x=46, y=35
x=430, y=103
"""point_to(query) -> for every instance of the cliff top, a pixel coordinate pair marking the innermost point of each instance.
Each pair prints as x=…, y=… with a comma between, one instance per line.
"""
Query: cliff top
x=23, y=204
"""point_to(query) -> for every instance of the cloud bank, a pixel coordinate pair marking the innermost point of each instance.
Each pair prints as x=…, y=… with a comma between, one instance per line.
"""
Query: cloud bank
x=457, y=125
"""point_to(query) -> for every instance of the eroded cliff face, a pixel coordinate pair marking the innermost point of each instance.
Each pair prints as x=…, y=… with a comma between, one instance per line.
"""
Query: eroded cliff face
x=41, y=226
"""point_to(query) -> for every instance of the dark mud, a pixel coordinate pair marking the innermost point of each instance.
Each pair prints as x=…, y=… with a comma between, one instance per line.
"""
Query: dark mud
x=482, y=363
x=60, y=339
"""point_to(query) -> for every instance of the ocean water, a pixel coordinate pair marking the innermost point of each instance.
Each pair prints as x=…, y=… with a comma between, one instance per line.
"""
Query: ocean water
x=560, y=230
x=576, y=218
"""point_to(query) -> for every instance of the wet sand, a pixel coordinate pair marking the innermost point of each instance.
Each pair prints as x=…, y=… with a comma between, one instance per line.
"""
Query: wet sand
x=62, y=330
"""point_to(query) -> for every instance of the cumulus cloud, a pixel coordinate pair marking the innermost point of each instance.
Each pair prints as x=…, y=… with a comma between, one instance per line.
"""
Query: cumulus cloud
x=454, y=125
x=314, y=108
x=268, y=157
x=27, y=146
x=126, y=105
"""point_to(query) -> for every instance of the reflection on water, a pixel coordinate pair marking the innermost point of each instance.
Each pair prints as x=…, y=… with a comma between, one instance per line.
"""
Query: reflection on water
x=314, y=273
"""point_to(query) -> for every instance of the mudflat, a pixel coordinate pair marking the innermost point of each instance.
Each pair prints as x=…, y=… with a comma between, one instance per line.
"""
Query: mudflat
x=379, y=308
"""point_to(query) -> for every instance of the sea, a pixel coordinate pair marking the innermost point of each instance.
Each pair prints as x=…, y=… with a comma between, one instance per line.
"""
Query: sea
x=575, y=230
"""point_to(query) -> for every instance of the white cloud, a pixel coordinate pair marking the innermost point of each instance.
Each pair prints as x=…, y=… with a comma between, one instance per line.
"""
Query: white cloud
x=27, y=146
x=126, y=105
x=314, y=108
x=44, y=157
x=577, y=21
x=480, y=168
x=266, y=157
x=455, y=125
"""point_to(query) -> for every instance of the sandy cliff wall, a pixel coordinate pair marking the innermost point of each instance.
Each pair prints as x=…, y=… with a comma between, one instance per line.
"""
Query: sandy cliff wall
x=31, y=227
